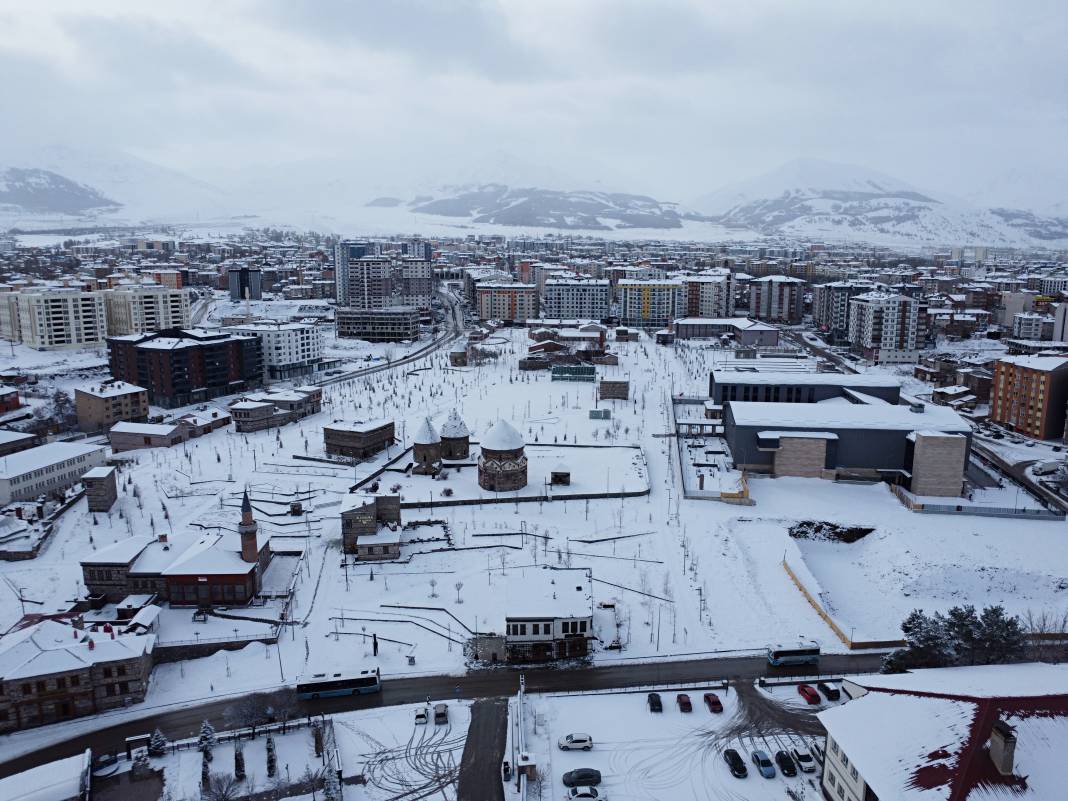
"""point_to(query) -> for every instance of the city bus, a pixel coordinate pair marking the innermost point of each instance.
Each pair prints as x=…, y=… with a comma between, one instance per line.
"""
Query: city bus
x=327, y=685
x=800, y=653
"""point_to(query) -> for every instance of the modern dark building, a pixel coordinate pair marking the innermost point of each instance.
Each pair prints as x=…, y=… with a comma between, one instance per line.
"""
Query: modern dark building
x=242, y=280
x=798, y=387
x=183, y=366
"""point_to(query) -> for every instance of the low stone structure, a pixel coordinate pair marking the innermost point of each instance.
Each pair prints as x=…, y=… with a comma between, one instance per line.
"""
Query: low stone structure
x=359, y=439
x=426, y=450
x=502, y=462
x=455, y=438
x=101, y=488
x=370, y=526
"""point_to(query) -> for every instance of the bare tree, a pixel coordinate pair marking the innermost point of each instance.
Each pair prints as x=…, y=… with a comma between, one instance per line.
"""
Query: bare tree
x=221, y=787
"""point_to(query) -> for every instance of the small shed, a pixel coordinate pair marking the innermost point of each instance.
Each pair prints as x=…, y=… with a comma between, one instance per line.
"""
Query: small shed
x=560, y=475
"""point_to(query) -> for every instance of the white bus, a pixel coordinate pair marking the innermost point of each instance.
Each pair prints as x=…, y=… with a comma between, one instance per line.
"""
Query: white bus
x=799, y=653
x=327, y=685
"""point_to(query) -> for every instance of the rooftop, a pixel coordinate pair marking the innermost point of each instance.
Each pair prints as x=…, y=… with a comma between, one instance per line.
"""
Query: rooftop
x=18, y=464
x=535, y=592
x=805, y=378
x=824, y=417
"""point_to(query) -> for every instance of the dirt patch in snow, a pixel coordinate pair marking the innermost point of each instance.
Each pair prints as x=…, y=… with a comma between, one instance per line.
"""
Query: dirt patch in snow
x=828, y=532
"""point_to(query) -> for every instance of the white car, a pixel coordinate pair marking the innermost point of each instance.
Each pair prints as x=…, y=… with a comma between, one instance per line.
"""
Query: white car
x=817, y=751
x=421, y=716
x=576, y=742
x=585, y=792
x=803, y=759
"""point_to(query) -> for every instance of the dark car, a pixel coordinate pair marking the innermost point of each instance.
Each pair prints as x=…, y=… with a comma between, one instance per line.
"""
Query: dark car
x=809, y=694
x=829, y=692
x=735, y=763
x=785, y=763
x=713, y=703
x=683, y=700
x=582, y=777
x=655, y=704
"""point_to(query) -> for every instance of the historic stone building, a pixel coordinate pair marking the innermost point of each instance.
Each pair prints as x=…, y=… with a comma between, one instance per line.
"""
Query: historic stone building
x=502, y=463
x=455, y=438
x=426, y=450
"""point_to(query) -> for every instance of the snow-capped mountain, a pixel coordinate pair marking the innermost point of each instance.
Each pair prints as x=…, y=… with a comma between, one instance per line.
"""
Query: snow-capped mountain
x=30, y=190
x=810, y=198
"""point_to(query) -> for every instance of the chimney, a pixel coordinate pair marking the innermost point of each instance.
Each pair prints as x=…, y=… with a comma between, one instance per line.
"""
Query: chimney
x=250, y=549
x=1002, y=747
x=163, y=536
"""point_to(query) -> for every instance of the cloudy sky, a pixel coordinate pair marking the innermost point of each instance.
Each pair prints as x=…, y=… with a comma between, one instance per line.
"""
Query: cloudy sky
x=670, y=98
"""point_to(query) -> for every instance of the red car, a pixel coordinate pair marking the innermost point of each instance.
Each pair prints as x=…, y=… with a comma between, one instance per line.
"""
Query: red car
x=683, y=700
x=807, y=692
x=713, y=703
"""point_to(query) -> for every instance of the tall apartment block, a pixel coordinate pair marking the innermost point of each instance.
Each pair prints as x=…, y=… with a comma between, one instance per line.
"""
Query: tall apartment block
x=289, y=349
x=245, y=281
x=54, y=319
x=576, y=298
x=141, y=309
x=649, y=303
x=508, y=302
x=1029, y=395
x=885, y=327
x=777, y=299
x=830, y=306
x=709, y=294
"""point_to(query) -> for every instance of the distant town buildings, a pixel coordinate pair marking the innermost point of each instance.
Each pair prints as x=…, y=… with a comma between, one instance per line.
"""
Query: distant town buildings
x=245, y=282
x=778, y=299
x=290, y=350
x=885, y=327
x=54, y=319
x=393, y=324
x=145, y=308
x=576, y=298
x=507, y=302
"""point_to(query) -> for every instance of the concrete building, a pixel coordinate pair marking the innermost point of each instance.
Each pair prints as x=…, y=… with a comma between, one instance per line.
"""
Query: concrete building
x=46, y=469
x=146, y=308
x=708, y=294
x=370, y=526
x=885, y=328
x=100, y=406
x=359, y=439
x=650, y=303
x=576, y=298
x=15, y=441
x=738, y=330
x=365, y=282
x=502, y=461
x=1029, y=395
x=548, y=614
x=777, y=299
x=101, y=488
x=1032, y=326
x=244, y=282
x=290, y=350
x=830, y=307
x=507, y=302
x=54, y=319
x=134, y=436
x=262, y=410
x=800, y=387
x=393, y=324
x=413, y=283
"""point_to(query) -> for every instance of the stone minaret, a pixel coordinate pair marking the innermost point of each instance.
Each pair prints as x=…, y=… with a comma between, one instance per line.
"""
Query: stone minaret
x=250, y=549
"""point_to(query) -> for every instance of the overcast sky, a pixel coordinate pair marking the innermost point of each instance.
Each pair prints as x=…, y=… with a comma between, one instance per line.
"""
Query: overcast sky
x=670, y=98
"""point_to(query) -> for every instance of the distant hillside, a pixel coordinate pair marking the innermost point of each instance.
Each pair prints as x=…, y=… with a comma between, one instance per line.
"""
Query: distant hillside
x=39, y=191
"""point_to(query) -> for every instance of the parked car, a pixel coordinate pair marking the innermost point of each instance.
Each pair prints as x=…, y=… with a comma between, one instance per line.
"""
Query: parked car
x=441, y=713
x=576, y=742
x=735, y=763
x=764, y=766
x=582, y=777
x=809, y=694
x=829, y=692
x=105, y=761
x=713, y=703
x=655, y=704
x=683, y=700
x=785, y=763
x=585, y=792
x=817, y=751
x=803, y=759
x=421, y=716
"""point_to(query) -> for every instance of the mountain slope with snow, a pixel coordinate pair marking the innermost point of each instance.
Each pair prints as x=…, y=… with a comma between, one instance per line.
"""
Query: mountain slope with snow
x=30, y=190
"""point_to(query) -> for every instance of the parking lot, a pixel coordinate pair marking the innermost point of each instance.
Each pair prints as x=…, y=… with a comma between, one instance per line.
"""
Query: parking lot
x=674, y=755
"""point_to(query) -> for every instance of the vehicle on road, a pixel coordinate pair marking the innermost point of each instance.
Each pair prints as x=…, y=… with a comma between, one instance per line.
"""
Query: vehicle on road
x=683, y=700
x=576, y=742
x=105, y=761
x=785, y=763
x=735, y=763
x=585, y=792
x=421, y=716
x=803, y=759
x=327, y=685
x=1046, y=468
x=817, y=751
x=713, y=703
x=829, y=692
x=582, y=777
x=808, y=693
x=441, y=714
x=800, y=653
x=655, y=704
x=764, y=766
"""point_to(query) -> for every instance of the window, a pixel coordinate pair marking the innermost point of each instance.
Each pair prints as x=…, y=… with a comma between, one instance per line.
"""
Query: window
x=75, y=681
x=120, y=670
x=841, y=790
x=834, y=747
x=853, y=771
x=831, y=780
x=522, y=628
x=41, y=686
x=26, y=689
x=61, y=683
x=582, y=626
x=845, y=760
x=107, y=672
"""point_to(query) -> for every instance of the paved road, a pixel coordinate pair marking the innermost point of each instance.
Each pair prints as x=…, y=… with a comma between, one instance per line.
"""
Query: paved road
x=491, y=683
x=480, y=767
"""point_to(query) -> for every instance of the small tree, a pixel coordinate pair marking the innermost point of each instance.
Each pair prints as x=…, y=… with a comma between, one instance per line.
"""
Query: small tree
x=272, y=757
x=205, y=771
x=962, y=632
x=141, y=767
x=331, y=785
x=221, y=787
x=206, y=740
x=317, y=737
x=1001, y=637
x=239, y=761
x=157, y=746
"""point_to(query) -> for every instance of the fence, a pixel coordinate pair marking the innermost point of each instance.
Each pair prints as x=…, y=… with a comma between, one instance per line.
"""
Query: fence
x=912, y=504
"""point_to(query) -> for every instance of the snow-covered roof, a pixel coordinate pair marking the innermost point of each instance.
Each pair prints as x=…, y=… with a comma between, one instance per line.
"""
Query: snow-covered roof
x=18, y=464
x=824, y=416
x=98, y=472
x=13, y=436
x=454, y=427
x=53, y=781
x=51, y=647
x=212, y=554
x=360, y=426
x=543, y=593
x=112, y=389
x=1044, y=363
x=978, y=681
x=122, y=552
x=427, y=434
x=502, y=436
x=797, y=434
x=147, y=429
x=805, y=378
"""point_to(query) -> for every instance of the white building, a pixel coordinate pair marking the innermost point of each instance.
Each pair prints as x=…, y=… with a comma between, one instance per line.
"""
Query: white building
x=46, y=468
x=1054, y=285
x=146, y=308
x=548, y=614
x=650, y=302
x=53, y=319
x=289, y=349
x=830, y=306
x=576, y=298
x=413, y=283
x=884, y=327
x=1032, y=326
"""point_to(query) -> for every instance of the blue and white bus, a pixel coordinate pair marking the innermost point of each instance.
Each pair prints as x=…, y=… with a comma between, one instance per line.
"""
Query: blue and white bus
x=327, y=685
x=800, y=653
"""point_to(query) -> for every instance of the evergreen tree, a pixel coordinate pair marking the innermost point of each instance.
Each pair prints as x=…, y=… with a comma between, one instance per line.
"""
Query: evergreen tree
x=1001, y=638
x=206, y=741
x=157, y=746
x=205, y=770
x=239, y=762
x=962, y=632
x=141, y=766
x=331, y=786
x=272, y=757
x=928, y=645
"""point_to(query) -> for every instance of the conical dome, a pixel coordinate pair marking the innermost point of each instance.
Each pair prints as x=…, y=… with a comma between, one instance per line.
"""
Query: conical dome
x=427, y=434
x=502, y=437
x=454, y=427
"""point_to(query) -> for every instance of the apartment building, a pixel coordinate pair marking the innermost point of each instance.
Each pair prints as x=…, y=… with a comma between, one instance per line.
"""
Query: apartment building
x=508, y=302
x=1053, y=285
x=365, y=282
x=393, y=324
x=649, y=302
x=709, y=294
x=778, y=299
x=1032, y=326
x=1029, y=394
x=54, y=319
x=145, y=308
x=576, y=298
x=830, y=306
x=885, y=327
x=244, y=282
x=45, y=469
x=413, y=281
x=183, y=366
x=289, y=349
x=100, y=406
